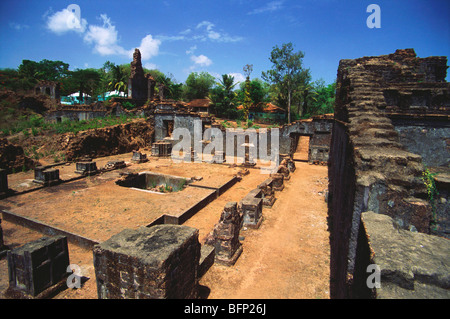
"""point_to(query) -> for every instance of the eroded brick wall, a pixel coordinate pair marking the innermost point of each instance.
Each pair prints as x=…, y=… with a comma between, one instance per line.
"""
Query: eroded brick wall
x=370, y=169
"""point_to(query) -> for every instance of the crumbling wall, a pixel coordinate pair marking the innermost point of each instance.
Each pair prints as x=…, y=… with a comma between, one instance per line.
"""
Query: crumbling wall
x=117, y=139
x=12, y=157
x=140, y=86
x=370, y=169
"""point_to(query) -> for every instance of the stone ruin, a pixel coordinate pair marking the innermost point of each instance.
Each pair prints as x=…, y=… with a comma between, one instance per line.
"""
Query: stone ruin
x=225, y=236
x=46, y=176
x=140, y=86
x=87, y=168
x=391, y=120
x=38, y=268
x=49, y=88
x=149, y=263
x=139, y=157
x=3, y=247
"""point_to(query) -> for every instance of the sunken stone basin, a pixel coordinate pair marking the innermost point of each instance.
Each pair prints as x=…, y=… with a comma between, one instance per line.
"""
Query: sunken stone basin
x=154, y=182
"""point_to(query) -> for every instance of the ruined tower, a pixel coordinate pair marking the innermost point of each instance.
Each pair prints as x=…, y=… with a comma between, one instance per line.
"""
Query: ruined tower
x=140, y=86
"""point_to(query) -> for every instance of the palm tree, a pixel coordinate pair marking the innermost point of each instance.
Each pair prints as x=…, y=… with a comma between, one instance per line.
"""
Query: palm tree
x=119, y=79
x=227, y=82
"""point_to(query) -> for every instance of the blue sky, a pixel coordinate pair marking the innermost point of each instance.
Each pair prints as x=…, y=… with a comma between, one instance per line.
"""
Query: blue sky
x=219, y=37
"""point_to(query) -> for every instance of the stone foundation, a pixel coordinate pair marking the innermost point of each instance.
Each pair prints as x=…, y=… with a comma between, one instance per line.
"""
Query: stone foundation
x=161, y=149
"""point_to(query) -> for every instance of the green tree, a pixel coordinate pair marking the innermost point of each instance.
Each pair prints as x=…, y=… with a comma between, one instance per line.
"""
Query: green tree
x=12, y=80
x=223, y=97
x=287, y=73
x=44, y=70
x=173, y=90
x=119, y=78
x=259, y=92
x=198, y=85
x=324, y=97
x=87, y=81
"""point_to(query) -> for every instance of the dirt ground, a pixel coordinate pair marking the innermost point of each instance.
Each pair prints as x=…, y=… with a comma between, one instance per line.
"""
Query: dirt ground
x=287, y=257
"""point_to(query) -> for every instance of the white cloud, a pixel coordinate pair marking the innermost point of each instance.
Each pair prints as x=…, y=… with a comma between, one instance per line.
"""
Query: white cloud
x=214, y=35
x=186, y=32
x=64, y=21
x=104, y=38
x=149, y=47
x=150, y=66
x=17, y=26
x=269, y=7
x=238, y=77
x=201, y=60
x=170, y=37
x=191, y=49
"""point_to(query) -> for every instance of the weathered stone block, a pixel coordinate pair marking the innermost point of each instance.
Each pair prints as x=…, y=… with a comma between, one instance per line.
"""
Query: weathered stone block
x=277, y=182
x=285, y=171
x=139, y=157
x=225, y=237
x=37, y=266
x=412, y=264
x=86, y=168
x=46, y=176
x=161, y=149
x=207, y=256
x=268, y=193
x=252, y=212
x=160, y=262
x=115, y=164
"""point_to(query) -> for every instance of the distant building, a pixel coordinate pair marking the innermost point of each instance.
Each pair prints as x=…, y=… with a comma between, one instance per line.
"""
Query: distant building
x=49, y=88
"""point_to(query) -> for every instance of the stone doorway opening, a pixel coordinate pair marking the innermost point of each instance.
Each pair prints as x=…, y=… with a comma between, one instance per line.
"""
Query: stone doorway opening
x=301, y=148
